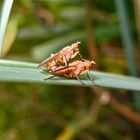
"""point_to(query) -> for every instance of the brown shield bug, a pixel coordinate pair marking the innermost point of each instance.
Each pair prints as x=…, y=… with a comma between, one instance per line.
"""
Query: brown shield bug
x=75, y=69
x=61, y=58
x=60, y=63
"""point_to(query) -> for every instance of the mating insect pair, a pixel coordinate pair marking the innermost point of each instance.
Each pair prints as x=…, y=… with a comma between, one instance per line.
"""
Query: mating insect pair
x=59, y=63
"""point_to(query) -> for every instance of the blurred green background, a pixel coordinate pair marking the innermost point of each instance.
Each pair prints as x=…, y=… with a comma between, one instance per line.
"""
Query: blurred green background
x=109, y=34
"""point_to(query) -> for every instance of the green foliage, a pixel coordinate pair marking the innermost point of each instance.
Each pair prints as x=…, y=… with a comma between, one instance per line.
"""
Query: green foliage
x=60, y=108
x=4, y=20
x=28, y=72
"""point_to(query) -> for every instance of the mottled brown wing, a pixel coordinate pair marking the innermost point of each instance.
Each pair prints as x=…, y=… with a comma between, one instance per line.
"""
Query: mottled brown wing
x=67, y=71
x=44, y=62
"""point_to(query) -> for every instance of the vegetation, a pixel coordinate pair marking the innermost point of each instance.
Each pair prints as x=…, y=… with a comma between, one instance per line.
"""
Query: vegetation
x=60, y=108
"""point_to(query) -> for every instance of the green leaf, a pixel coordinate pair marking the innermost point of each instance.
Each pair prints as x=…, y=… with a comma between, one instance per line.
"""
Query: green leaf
x=44, y=50
x=28, y=72
x=10, y=35
x=4, y=20
x=34, y=32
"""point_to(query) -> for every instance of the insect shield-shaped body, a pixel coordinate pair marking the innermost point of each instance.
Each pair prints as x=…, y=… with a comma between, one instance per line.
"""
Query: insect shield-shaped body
x=60, y=59
x=74, y=69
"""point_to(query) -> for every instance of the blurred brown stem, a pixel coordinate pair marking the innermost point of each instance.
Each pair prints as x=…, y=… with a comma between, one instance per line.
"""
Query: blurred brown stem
x=93, y=52
x=122, y=109
x=125, y=111
x=102, y=97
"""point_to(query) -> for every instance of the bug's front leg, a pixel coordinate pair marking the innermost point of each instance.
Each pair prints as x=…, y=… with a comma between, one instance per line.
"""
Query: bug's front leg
x=65, y=60
x=81, y=57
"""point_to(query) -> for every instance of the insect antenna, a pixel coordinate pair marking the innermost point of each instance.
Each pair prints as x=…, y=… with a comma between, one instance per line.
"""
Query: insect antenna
x=43, y=62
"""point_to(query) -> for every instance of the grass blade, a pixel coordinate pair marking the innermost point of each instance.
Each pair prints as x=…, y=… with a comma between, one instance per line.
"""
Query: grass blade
x=128, y=43
x=4, y=20
x=13, y=71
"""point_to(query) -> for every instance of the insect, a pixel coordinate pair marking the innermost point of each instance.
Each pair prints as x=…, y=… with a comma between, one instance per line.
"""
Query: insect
x=61, y=58
x=60, y=64
x=74, y=69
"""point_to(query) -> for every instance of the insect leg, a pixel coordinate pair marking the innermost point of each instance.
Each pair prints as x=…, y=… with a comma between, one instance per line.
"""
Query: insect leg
x=65, y=61
x=50, y=77
x=80, y=81
x=89, y=77
x=81, y=57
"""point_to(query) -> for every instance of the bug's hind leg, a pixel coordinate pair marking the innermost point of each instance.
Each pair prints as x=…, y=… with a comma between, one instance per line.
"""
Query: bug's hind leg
x=80, y=81
x=50, y=77
x=89, y=77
